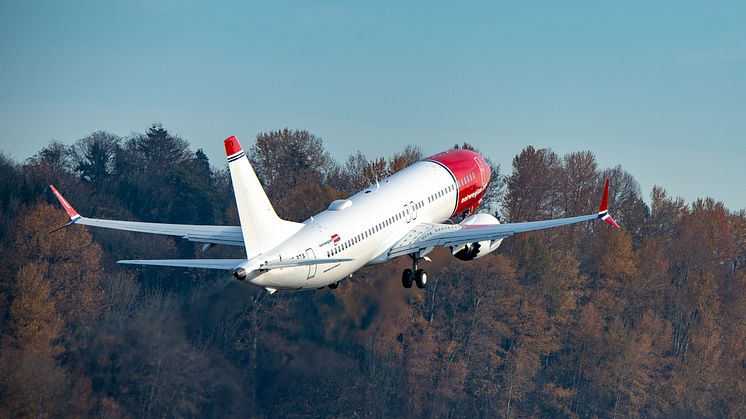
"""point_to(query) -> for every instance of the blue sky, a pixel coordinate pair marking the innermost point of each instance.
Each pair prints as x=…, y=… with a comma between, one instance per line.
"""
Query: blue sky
x=658, y=87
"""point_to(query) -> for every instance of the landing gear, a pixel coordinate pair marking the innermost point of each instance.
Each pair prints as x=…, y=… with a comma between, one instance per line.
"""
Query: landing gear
x=414, y=275
x=420, y=277
x=334, y=286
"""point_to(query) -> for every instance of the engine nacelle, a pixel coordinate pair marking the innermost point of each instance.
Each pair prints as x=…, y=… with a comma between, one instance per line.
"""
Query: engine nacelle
x=476, y=250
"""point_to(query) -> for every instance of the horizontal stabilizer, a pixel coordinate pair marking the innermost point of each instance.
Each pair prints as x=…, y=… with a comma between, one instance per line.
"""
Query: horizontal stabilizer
x=230, y=264
x=226, y=264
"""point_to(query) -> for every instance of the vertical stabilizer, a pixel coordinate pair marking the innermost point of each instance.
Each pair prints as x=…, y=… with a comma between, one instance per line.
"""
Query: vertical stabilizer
x=262, y=228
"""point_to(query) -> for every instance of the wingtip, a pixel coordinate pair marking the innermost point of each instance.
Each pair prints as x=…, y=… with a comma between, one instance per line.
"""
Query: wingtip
x=69, y=208
x=232, y=146
x=603, y=210
x=605, y=198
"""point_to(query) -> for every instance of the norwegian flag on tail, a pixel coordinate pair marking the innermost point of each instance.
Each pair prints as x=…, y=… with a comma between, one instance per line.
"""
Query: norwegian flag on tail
x=335, y=238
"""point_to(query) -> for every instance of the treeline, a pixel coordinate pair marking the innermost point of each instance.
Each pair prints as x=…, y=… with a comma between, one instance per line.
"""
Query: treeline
x=583, y=321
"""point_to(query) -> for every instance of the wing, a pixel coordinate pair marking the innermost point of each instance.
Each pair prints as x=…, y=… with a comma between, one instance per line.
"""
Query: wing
x=228, y=235
x=225, y=264
x=427, y=235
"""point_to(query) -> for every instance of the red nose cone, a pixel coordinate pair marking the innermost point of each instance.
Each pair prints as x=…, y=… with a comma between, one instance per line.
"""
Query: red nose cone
x=470, y=173
x=232, y=146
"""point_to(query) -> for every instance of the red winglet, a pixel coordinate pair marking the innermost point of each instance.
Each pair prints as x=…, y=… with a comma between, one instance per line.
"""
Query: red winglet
x=603, y=210
x=69, y=208
x=605, y=199
x=232, y=146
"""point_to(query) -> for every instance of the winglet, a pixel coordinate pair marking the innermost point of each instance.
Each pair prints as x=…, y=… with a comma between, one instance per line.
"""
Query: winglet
x=232, y=146
x=603, y=210
x=69, y=208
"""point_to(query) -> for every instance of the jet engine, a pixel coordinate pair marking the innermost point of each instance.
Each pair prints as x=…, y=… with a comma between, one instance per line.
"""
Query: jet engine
x=477, y=250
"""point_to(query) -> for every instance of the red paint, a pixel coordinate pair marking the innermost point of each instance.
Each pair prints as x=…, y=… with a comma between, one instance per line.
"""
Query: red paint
x=232, y=146
x=604, y=208
x=466, y=164
x=605, y=199
x=69, y=208
x=610, y=220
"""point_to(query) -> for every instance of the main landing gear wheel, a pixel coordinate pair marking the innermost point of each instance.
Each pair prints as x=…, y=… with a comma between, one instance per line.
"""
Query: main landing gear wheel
x=420, y=277
x=414, y=275
x=406, y=278
x=334, y=286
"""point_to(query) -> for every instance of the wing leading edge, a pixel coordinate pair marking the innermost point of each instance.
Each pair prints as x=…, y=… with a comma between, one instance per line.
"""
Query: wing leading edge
x=429, y=235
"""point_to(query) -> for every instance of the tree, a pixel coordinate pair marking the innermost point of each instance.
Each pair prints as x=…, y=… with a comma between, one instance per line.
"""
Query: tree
x=531, y=186
x=33, y=383
x=404, y=159
x=73, y=259
x=578, y=183
x=160, y=149
x=283, y=158
x=94, y=157
x=37, y=326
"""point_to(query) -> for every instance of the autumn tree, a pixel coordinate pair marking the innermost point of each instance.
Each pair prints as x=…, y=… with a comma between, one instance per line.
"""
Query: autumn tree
x=530, y=193
x=73, y=260
x=290, y=163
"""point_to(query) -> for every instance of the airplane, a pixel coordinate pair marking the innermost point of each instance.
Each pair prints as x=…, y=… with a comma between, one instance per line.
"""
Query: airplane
x=407, y=214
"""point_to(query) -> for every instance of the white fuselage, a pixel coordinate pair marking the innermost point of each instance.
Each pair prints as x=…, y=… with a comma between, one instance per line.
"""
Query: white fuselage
x=361, y=228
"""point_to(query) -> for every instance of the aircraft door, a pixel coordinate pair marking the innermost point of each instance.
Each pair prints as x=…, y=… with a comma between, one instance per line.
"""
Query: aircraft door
x=482, y=175
x=311, y=268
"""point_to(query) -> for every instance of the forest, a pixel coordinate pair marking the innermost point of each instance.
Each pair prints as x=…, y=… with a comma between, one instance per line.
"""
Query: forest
x=581, y=321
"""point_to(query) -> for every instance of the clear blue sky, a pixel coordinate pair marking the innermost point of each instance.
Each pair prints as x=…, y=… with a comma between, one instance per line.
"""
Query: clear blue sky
x=658, y=87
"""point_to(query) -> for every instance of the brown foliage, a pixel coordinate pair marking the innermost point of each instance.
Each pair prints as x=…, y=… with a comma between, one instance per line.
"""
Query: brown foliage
x=576, y=322
x=73, y=259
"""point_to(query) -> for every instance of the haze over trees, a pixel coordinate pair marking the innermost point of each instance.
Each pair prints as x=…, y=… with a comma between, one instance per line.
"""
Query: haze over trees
x=582, y=321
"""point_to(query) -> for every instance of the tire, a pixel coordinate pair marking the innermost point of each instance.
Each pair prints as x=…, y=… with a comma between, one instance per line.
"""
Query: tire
x=421, y=278
x=406, y=278
x=334, y=286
